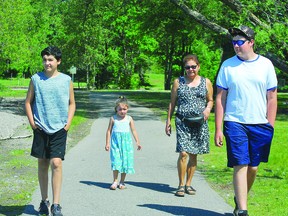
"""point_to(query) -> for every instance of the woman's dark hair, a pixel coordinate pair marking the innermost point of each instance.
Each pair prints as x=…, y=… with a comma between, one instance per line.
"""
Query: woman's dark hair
x=191, y=57
x=52, y=50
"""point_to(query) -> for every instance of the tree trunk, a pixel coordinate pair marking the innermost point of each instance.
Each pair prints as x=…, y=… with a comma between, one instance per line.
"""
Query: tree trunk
x=228, y=52
x=169, y=63
x=236, y=6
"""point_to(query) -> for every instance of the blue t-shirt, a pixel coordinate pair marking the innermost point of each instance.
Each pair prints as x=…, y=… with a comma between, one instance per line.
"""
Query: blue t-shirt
x=51, y=103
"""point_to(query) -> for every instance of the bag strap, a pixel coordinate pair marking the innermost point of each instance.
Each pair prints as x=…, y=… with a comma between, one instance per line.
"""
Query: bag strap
x=181, y=79
x=181, y=117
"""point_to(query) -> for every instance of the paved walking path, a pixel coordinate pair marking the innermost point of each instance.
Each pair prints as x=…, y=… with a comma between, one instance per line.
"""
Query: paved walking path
x=150, y=191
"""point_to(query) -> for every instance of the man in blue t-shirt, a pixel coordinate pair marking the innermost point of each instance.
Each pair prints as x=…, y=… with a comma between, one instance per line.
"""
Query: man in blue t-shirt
x=50, y=107
x=247, y=102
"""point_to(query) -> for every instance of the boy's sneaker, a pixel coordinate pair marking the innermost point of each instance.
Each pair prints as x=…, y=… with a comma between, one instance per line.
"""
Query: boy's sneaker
x=236, y=209
x=44, y=207
x=56, y=210
x=243, y=213
x=238, y=212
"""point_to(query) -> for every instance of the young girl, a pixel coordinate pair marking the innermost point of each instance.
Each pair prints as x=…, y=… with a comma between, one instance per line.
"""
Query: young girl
x=119, y=142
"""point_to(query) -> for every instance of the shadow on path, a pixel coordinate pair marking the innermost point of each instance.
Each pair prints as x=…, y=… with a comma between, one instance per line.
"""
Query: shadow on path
x=12, y=210
x=164, y=188
x=92, y=103
x=181, y=210
x=13, y=105
x=97, y=184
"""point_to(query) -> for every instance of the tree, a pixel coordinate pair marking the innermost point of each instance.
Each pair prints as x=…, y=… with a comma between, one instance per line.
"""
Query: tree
x=114, y=43
x=270, y=29
x=14, y=23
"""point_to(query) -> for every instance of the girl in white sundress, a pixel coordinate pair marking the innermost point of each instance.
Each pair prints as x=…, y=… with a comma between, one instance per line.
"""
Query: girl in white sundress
x=119, y=142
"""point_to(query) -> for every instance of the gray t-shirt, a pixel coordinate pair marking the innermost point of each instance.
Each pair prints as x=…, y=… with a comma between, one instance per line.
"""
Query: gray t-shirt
x=51, y=103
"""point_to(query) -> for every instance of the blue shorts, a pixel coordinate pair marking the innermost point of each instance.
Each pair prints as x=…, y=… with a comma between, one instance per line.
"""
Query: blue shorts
x=47, y=146
x=247, y=144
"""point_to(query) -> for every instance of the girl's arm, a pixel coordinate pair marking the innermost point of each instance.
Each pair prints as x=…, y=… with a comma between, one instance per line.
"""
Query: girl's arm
x=108, y=134
x=135, y=135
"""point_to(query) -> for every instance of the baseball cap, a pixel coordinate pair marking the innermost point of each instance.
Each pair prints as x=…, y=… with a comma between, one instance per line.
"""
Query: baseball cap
x=242, y=30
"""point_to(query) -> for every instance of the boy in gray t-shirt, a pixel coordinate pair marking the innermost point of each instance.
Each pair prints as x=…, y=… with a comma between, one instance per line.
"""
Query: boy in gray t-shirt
x=50, y=107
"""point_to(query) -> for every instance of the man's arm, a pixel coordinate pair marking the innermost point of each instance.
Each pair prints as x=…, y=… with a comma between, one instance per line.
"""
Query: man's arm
x=272, y=106
x=219, y=114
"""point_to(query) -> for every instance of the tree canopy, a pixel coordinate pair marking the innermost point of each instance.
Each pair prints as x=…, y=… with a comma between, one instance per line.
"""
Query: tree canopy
x=115, y=44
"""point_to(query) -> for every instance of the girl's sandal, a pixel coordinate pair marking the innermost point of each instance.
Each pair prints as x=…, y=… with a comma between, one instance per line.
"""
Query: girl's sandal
x=113, y=186
x=180, y=191
x=122, y=185
x=190, y=190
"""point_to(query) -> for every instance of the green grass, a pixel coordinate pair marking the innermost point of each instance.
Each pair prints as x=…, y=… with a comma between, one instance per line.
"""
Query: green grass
x=18, y=181
x=271, y=186
x=282, y=102
x=77, y=120
x=156, y=81
x=8, y=87
x=17, y=87
x=15, y=82
x=7, y=92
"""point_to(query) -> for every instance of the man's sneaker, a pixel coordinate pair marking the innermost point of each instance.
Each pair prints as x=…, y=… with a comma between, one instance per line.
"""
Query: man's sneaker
x=44, y=207
x=56, y=210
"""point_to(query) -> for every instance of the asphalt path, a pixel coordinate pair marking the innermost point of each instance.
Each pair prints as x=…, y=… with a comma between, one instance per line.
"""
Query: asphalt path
x=150, y=191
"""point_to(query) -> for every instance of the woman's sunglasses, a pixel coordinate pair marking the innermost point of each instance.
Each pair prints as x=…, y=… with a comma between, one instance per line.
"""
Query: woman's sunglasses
x=187, y=67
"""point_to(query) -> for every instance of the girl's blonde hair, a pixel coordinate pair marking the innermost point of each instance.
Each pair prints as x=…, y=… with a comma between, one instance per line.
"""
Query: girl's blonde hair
x=121, y=100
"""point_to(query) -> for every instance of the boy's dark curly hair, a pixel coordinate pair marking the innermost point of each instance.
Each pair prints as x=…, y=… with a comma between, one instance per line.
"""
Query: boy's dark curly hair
x=52, y=50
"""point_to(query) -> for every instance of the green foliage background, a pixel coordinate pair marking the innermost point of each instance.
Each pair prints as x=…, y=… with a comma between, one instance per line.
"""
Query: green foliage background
x=116, y=44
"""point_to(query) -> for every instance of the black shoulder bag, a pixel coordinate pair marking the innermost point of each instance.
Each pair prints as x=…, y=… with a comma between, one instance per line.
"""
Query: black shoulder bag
x=192, y=121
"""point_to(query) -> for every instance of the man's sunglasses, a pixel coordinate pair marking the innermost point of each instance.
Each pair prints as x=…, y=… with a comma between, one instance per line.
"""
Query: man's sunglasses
x=187, y=67
x=238, y=42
